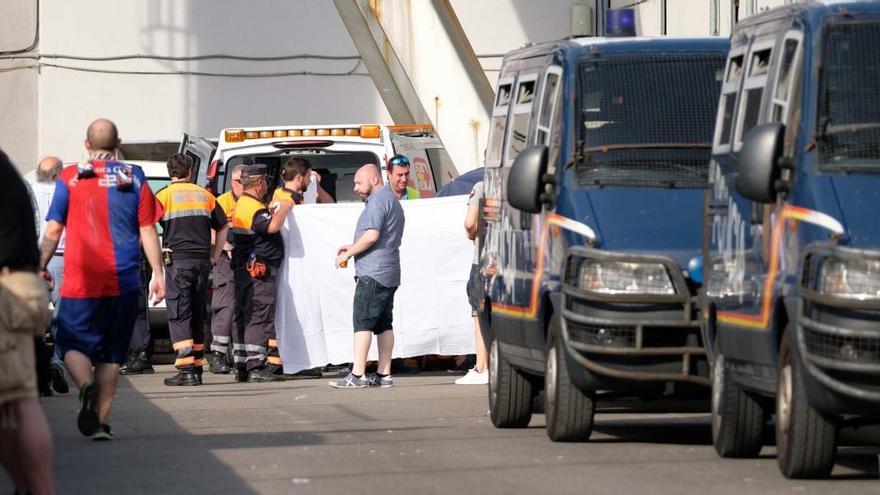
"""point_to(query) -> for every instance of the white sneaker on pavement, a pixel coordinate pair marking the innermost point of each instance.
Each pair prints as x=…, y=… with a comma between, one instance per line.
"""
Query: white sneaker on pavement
x=473, y=377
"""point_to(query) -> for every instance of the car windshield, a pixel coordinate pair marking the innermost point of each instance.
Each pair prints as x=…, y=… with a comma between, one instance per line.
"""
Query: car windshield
x=157, y=183
x=336, y=168
x=647, y=119
x=849, y=116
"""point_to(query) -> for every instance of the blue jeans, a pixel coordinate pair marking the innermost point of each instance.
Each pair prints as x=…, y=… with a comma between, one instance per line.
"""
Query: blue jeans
x=56, y=269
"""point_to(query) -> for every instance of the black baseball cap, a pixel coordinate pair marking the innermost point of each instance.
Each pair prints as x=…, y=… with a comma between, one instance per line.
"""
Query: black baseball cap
x=255, y=170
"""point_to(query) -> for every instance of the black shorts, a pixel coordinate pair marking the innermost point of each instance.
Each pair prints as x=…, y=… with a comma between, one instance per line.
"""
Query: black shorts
x=475, y=289
x=373, y=305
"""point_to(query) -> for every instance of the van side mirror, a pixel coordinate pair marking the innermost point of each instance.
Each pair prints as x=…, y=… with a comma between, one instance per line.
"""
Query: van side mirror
x=758, y=162
x=524, y=184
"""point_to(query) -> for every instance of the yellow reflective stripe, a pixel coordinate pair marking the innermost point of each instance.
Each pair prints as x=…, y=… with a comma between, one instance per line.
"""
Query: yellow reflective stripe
x=186, y=361
x=183, y=344
x=274, y=360
x=273, y=343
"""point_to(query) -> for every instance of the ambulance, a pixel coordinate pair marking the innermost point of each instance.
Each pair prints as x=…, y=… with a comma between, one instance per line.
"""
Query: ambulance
x=335, y=152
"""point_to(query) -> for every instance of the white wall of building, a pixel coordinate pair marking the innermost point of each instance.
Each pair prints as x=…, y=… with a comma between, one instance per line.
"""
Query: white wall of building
x=18, y=88
x=47, y=111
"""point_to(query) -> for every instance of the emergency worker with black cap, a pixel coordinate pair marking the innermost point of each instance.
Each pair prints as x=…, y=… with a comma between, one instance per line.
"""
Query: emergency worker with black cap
x=190, y=213
x=256, y=259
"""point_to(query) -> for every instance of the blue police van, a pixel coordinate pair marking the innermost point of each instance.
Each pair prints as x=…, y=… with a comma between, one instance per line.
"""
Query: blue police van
x=596, y=167
x=792, y=244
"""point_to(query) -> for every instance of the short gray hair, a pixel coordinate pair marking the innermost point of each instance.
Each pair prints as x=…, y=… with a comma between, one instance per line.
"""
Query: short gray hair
x=47, y=175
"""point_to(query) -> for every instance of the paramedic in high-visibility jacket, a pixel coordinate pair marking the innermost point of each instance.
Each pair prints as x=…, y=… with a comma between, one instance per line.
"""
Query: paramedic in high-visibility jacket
x=223, y=300
x=190, y=213
x=256, y=259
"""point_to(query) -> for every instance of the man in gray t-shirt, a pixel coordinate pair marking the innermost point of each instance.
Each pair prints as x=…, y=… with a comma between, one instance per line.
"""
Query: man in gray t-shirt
x=376, y=251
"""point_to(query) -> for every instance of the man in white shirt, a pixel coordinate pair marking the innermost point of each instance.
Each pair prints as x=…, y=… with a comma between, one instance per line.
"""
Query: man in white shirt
x=42, y=185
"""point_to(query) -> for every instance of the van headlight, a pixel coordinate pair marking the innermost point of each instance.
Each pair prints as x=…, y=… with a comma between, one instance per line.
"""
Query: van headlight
x=850, y=279
x=618, y=277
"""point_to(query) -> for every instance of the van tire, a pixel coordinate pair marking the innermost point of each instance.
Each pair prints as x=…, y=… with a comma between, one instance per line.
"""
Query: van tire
x=737, y=416
x=806, y=441
x=510, y=392
x=569, y=410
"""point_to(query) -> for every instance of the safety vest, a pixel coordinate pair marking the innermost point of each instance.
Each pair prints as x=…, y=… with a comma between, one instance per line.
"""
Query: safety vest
x=249, y=223
x=190, y=212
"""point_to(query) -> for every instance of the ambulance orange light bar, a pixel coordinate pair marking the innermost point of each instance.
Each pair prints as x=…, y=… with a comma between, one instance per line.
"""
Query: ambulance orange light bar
x=252, y=135
x=337, y=132
x=323, y=132
x=295, y=133
x=266, y=134
x=308, y=132
x=370, y=131
x=352, y=132
x=279, y=134
x=233, y=135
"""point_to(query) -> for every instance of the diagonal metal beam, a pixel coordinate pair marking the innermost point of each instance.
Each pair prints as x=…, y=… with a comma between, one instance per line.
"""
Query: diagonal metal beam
x=385, y=69
x=465, y=52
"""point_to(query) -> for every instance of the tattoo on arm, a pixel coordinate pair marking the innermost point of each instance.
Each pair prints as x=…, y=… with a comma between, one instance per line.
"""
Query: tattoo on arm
x=47, y=250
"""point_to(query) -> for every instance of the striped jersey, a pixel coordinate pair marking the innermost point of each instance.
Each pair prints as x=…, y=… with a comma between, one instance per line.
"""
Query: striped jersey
x=190, y=212
x=102, y=214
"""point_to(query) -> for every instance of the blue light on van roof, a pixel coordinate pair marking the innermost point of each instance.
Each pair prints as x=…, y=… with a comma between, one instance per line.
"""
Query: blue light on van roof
x=620, y=23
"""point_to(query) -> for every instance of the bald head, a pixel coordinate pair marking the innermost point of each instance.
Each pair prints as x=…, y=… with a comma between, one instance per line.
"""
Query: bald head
x=102, y=136
x=366, y=179
x=48, y=169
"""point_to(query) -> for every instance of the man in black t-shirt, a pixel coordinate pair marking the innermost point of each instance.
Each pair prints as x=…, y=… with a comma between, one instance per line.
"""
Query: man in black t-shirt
x=25, y=442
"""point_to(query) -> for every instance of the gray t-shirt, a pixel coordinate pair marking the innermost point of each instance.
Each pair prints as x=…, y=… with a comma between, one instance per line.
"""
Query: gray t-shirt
x=381, y=262
x=474, y=200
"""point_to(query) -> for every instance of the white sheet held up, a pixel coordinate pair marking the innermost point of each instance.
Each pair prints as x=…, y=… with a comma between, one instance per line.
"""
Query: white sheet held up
x=431, y=312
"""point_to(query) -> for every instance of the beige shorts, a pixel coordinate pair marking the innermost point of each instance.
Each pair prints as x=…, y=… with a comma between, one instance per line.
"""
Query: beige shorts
x=18, y=373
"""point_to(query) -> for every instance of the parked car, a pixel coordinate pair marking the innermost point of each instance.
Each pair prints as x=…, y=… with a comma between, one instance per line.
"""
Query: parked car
x=793, y=234
x=595, y=175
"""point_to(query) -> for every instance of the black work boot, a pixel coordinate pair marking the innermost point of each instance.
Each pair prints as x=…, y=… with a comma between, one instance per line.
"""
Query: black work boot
x=263, y=374
x=138, y=363
x=241, y=373
x=184, y=377
x=217, y=364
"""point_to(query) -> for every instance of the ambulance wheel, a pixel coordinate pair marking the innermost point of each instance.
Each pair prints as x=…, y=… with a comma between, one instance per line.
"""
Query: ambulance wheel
x=806, y=441
x=737, y=416
x=510, y=392
x=569, y=410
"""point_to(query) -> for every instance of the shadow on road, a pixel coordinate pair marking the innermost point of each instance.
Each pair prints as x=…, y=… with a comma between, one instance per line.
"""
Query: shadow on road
x=152, y=453
x=673, y=431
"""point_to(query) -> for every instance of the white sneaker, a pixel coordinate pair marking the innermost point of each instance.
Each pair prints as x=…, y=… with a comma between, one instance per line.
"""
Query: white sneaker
x=474, y=377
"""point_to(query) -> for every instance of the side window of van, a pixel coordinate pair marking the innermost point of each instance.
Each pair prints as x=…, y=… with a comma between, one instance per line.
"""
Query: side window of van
x=786, y=74
x=755, y=80
x=727, y=103
x=499, y=122
x=518, y=131
x=547, y=109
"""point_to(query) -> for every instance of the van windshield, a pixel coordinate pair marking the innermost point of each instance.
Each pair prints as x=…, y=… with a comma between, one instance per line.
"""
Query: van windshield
x=849, y=116
x=647, y=119
x=336, y=168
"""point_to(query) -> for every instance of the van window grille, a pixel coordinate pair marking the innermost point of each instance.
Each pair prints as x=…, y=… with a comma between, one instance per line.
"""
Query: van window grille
x=648, y=119
x=849, y=114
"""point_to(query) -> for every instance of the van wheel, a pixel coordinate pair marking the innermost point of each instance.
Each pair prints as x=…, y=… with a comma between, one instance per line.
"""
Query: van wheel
x=737, y=417
x=510, y=393
x=806, y=441
x=568, y=409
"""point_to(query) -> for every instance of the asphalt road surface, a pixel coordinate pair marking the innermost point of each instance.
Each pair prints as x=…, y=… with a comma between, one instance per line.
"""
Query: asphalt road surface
x=424, y=435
